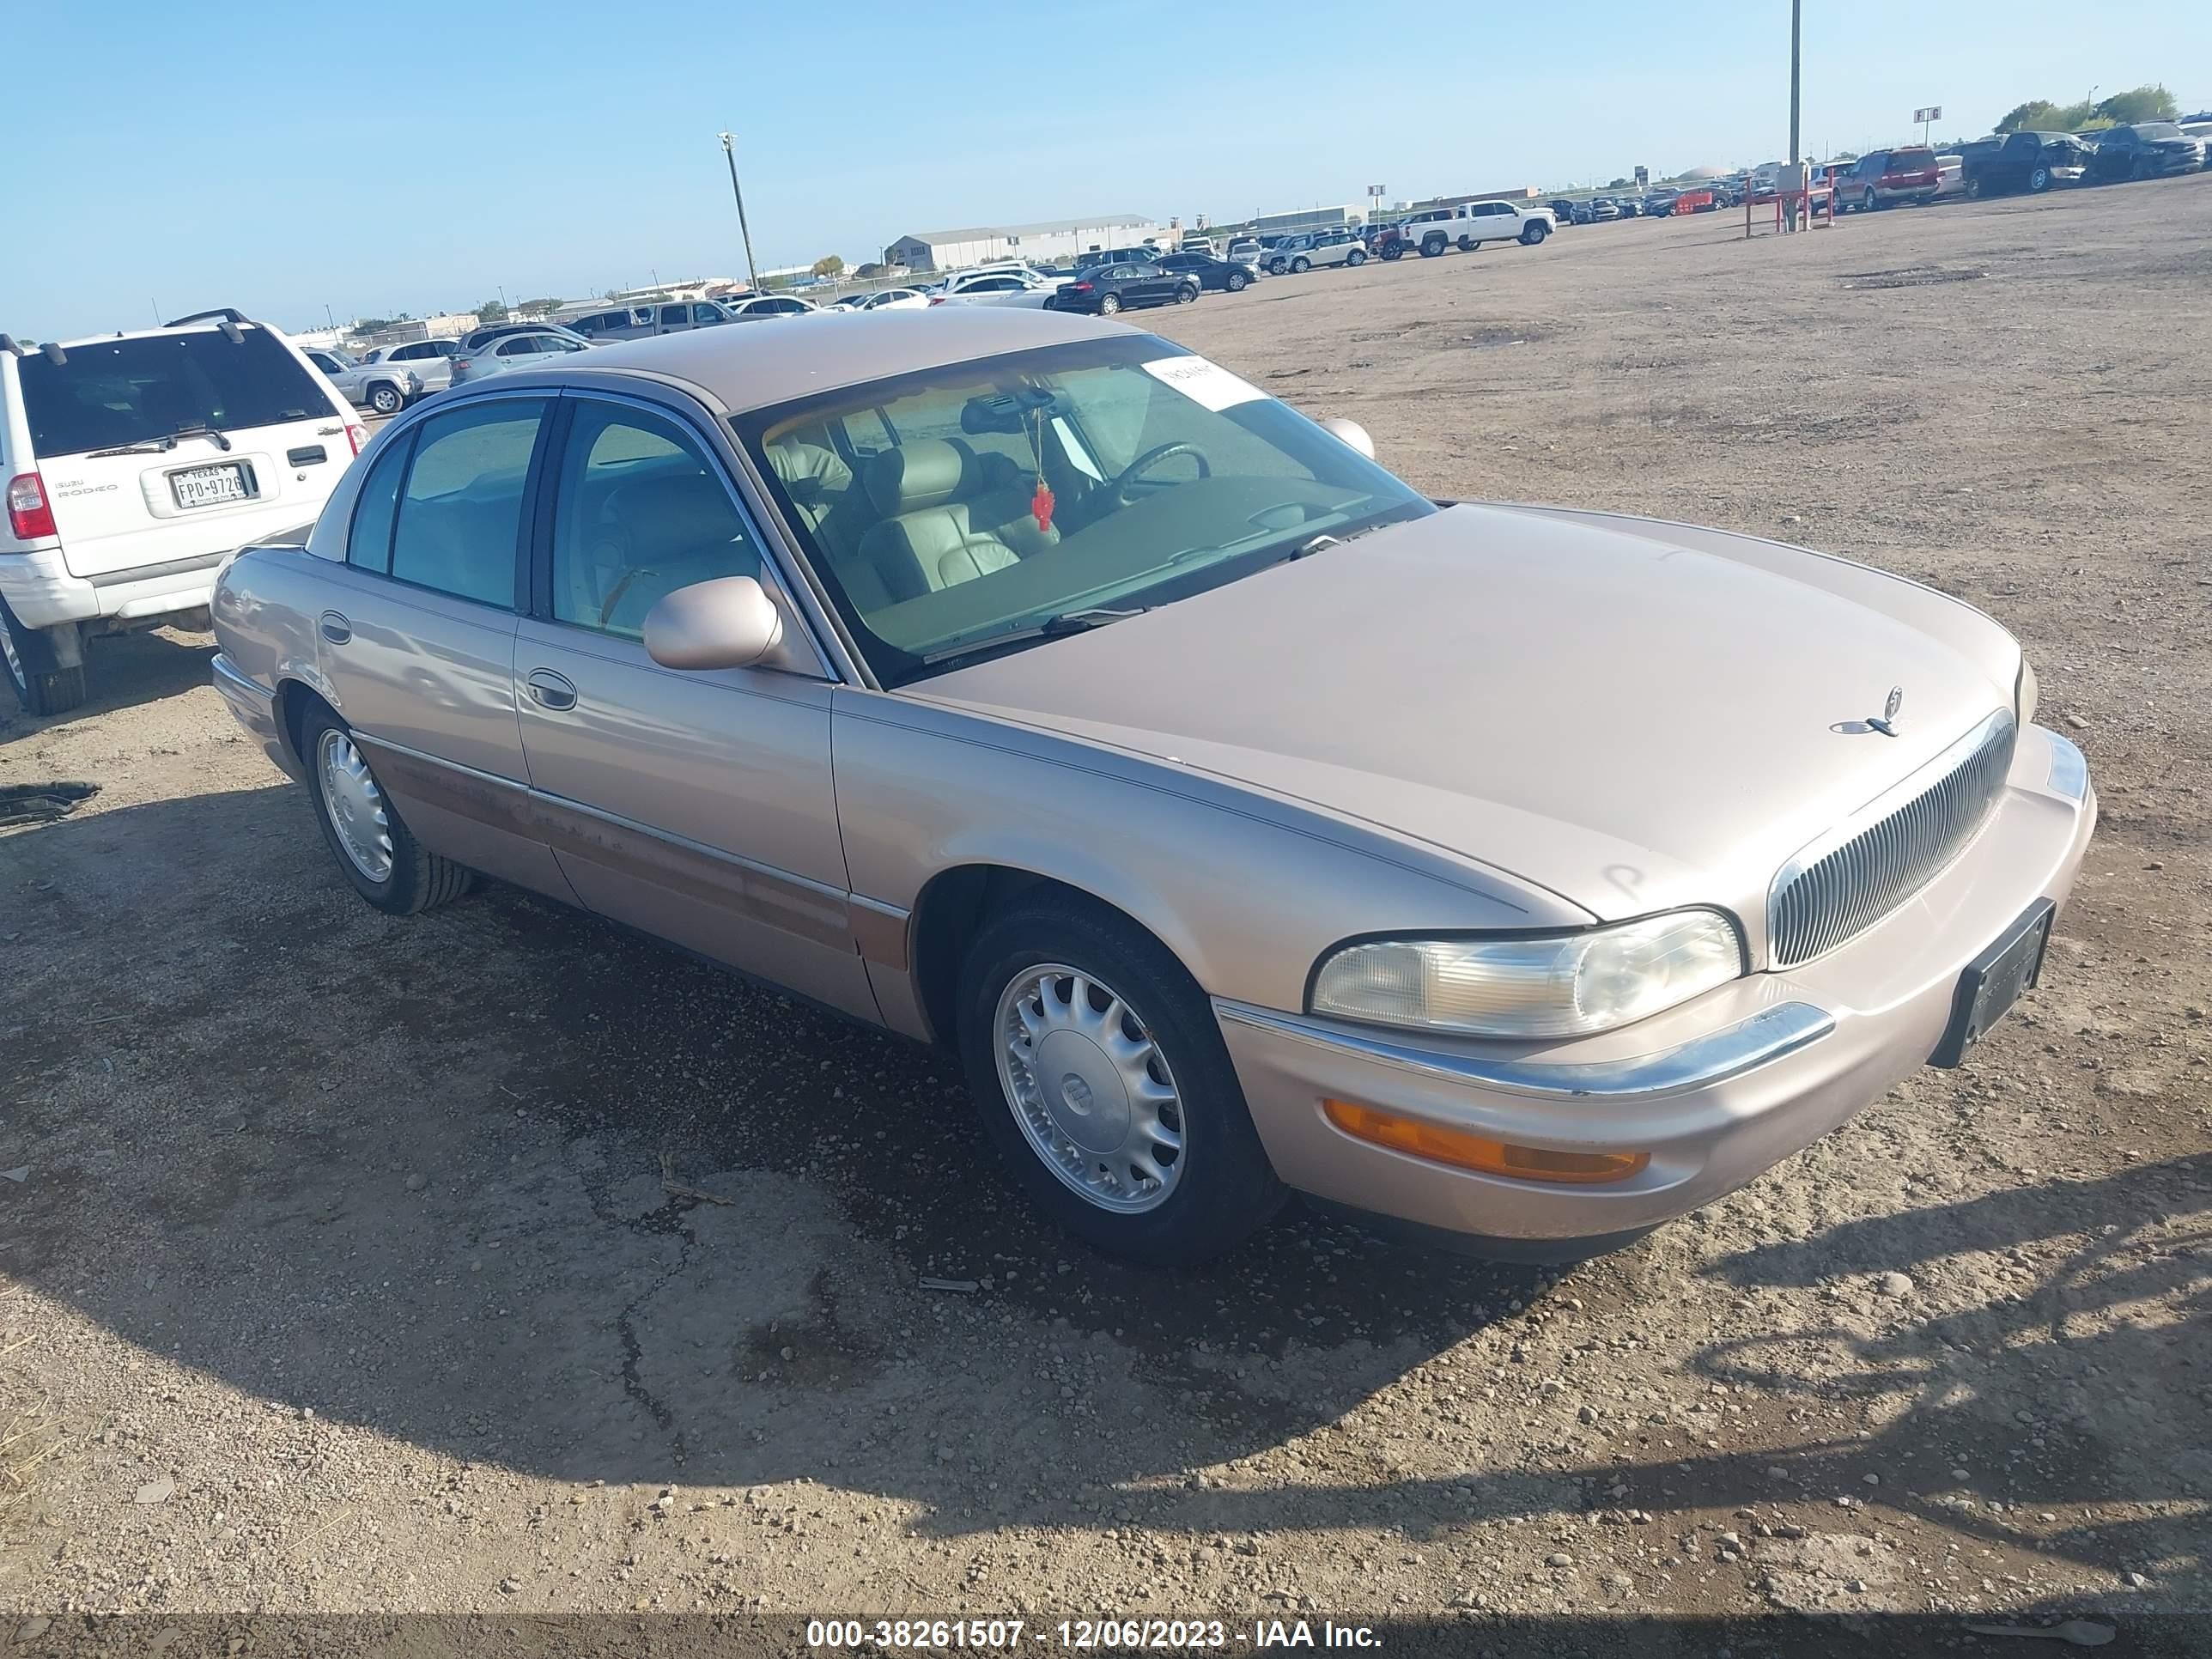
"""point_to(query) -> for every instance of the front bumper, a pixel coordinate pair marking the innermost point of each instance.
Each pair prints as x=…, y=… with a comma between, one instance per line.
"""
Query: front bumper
x=42, y=593
x=1715, y=1091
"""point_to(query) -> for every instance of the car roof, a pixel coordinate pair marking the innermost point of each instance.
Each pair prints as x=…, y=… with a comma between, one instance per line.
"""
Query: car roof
x=749, y=368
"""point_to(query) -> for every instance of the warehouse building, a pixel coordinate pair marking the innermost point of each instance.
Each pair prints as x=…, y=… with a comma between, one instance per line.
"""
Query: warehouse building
x=1047, y=243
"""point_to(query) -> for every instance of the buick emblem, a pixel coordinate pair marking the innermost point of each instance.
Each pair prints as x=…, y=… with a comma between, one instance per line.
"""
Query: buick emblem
x=1886, y=722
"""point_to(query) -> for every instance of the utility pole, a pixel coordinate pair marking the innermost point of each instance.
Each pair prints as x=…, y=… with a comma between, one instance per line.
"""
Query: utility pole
x=1796, y=11
x=729, y=155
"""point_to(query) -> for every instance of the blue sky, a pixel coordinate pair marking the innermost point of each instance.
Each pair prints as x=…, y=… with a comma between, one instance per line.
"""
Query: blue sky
x=409, y=156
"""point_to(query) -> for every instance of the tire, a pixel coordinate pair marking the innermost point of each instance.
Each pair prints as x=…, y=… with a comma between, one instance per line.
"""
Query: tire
x=1393, y=251
x=41, y=684
x=1356, y=257
x=1300, y=265
x=1431, y=247
x=1468, y=244
x=2038, y=180
x=415, y=878
x=385, y=398
x=1974, y=190
x=1535, y=234
x=1867, y=203
x=1186, y=293
x=1219, y=1188
x=1237, y=281
x=1109, y=304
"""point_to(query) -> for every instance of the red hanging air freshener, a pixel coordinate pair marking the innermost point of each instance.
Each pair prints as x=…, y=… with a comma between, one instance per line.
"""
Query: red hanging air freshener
x=1040, y=505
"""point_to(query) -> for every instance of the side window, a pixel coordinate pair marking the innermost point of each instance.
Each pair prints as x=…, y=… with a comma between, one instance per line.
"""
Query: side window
x=369, y=545
x=675, y=316
x=642, y=511
x=703, y=315
x=522, y=345
x=460, y=514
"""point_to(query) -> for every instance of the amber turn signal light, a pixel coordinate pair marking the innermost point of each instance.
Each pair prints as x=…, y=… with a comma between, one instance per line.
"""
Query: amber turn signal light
x=1466, y=1152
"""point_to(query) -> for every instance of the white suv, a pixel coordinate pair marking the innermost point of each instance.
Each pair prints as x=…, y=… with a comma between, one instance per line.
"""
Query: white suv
x=136, y=466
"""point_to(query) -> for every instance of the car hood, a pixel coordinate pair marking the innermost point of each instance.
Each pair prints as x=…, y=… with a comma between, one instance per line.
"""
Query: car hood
x=1632, y=715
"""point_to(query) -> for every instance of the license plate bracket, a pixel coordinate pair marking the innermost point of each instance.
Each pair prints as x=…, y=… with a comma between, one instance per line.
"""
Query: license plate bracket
x=1995, y=980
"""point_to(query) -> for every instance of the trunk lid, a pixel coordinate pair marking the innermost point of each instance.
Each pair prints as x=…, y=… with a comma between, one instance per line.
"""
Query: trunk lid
x=1631, y=721
x=130, y=439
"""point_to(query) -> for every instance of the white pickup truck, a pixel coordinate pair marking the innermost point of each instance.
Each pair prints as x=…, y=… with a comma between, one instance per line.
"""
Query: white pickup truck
x=1470, y=224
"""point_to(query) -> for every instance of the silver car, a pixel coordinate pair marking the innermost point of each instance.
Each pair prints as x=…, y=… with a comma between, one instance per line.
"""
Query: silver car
x=430, y=362
x=387, y=388
x=527, y=348
x=1242, y=820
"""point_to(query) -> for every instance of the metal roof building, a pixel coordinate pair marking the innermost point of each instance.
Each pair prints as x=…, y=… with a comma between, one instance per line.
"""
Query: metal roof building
x=1049, y=241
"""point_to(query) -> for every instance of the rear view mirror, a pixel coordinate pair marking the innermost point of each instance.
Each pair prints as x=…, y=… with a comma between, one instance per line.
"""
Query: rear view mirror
x=1351, y=433
x=727, y=622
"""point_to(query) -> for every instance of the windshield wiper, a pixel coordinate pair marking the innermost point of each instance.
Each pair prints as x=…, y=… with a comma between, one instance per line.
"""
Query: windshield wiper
x=146, y=447
x=1052, y=628
x=199, y=429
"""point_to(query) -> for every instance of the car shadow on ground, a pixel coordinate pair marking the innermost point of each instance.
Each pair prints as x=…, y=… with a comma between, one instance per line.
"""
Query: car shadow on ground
x=418, y=1174
x=513, y=1186
x=120, y=670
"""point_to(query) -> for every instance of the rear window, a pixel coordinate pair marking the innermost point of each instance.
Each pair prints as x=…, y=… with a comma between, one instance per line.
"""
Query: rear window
x=1911, y=161
x=113, y=393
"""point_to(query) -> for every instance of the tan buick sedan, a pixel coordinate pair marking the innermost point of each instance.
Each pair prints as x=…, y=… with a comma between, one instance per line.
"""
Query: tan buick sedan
x=1244, y=820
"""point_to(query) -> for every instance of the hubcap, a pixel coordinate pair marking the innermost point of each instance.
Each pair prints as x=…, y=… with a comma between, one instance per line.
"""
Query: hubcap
x=356, y=805
x=1090, y=1089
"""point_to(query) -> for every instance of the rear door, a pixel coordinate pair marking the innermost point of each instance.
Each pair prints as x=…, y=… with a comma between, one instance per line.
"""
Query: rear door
x=699, y=804
x=416, y=637
x=167, y=450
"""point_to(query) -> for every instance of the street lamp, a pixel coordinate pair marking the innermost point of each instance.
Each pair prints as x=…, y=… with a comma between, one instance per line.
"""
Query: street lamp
x=730, y=154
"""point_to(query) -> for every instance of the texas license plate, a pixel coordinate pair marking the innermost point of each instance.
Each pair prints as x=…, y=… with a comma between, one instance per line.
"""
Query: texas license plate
x=1994, y=980
x=212, y=486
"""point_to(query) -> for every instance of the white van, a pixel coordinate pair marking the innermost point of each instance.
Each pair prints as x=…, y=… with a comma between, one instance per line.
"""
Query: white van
x=136, y=466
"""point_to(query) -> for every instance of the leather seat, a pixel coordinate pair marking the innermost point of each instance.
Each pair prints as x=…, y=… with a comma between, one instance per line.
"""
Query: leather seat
x=928, y=538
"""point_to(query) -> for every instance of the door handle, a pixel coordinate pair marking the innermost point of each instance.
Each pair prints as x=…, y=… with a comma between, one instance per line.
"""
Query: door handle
x=335, y=629
x=550, y=691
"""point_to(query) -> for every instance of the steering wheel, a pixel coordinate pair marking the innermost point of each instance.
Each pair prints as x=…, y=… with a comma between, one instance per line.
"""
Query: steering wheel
x=1118, y=491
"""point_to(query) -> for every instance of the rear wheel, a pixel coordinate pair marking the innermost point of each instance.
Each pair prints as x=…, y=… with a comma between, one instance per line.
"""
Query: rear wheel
x=1356, y=257
x=1100, y=1076
x=41, y=684
x=385, y=398
x=1867, y=203
x=1393, y=251
x=1431, y=247
x=1300, y=265
x=1974, y=188
x=1109, y=304
x=378, y=853
x=1466, y=244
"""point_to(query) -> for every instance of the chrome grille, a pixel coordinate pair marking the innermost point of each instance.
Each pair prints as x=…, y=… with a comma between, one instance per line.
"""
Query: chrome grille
x=1834, y=888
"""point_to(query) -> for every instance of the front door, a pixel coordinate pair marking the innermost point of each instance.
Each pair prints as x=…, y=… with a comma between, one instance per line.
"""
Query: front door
x=416, y=639
x=694, y=805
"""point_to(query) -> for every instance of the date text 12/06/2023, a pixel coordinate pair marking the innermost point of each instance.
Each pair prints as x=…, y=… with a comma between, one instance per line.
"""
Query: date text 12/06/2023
x=1165, y=1635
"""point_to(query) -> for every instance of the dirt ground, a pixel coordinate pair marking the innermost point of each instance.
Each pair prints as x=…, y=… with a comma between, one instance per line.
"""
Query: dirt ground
x=337, y=1271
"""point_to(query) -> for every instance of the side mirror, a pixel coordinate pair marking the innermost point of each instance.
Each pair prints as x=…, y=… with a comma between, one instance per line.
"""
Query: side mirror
x=1351, y=433
x=727, y=622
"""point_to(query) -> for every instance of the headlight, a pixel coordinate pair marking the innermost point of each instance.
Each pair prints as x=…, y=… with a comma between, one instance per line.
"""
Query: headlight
x=2024, y=694
x=1567, y=985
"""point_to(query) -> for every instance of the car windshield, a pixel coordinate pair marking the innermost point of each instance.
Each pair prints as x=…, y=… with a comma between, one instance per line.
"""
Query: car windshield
x=108, y=393
x=962, y=510
x=2158, y=130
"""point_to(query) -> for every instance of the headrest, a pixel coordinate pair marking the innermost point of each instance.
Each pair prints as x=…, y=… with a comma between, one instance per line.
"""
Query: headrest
x=923, y=473
x=808, y=472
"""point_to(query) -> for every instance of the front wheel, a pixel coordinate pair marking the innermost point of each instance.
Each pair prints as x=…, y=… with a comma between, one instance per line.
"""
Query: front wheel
x=1466, y=244
x=378, y=853
x=2038, y=181
x=385, y=398
x=1535, y=234
x=1393, y=251
x=1109, y=304
x=1237, y=281
x=42, y=686
x=1186, y=293
x=1101, y=1079
x=1356, y=257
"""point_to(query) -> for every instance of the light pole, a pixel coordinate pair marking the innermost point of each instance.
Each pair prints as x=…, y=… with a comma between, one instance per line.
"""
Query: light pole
x=729, y=155
x=1796, y=9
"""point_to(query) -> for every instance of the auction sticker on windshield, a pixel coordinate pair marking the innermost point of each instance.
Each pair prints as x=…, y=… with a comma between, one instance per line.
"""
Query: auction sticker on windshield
x=1207, y=385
